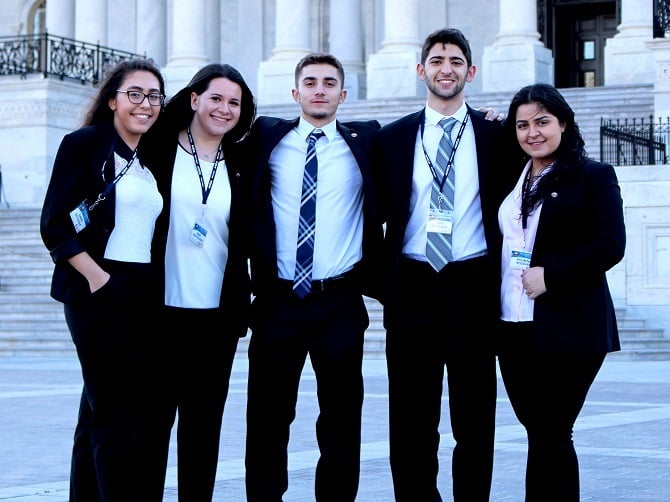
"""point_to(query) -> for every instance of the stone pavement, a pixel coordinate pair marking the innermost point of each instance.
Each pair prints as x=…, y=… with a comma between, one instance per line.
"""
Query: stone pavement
x=622, y=436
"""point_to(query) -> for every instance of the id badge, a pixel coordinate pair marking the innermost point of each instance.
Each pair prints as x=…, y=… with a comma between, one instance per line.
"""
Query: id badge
x=79, y=216
x=440, y=221
x=520, y=259
x=198, y=234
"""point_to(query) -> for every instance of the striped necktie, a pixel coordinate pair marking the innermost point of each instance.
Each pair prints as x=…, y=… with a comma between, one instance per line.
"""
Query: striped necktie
x=302, y=281
x=438, y=247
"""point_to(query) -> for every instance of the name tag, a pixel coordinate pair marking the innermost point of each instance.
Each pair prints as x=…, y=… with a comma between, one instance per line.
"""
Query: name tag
x=79, y=216
x=198, y=234
x=440, y=221
x=520, y=259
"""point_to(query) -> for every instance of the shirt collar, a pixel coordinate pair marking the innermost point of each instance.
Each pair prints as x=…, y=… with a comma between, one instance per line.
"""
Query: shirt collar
x=433, y=117
x=304, y=129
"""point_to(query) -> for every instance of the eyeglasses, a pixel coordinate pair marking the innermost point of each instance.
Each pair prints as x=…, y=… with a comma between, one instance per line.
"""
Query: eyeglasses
x=137, y=97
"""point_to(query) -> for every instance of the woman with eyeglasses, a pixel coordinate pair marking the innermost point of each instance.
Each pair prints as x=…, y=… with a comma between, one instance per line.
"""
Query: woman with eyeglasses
x=199, y=247
x=97, y=222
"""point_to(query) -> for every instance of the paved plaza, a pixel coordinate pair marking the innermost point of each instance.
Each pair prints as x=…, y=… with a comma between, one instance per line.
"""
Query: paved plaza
x=622, y=436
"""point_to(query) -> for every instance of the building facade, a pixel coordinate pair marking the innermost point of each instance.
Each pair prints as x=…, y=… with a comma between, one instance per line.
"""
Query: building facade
x=572, y=44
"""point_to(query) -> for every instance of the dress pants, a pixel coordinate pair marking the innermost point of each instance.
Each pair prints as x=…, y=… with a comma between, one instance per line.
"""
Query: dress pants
x=441, y=320
x=197, y=363
x=111, y=449
x=329, y=327
x=547, y=391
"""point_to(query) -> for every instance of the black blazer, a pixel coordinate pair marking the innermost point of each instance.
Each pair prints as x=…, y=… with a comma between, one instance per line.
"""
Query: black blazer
x=236, y=291
x=580, y=235
x=264, y=136
x=394, y=167
x=77, y=175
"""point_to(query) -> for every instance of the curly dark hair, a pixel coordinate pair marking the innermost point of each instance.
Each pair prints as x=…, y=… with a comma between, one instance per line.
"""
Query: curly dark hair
x=99, y=111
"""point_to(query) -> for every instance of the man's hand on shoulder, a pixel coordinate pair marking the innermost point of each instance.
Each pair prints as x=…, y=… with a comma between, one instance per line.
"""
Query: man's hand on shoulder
x=492, y=113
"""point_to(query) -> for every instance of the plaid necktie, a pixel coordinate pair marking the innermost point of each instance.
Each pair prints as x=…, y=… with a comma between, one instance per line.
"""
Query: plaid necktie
x=302, y=280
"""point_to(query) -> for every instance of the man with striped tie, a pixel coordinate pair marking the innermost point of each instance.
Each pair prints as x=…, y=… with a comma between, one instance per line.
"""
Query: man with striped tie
x=314, y=236
x=442, y=174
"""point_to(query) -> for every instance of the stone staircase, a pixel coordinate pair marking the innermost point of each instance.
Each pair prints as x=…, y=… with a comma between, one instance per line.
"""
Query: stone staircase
x=31, y=323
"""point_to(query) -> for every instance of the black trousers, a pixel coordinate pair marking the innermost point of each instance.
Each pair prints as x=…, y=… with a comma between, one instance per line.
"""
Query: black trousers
x=197, y=362
x=111, y=448
x=328, y=326
x=547, y=392
x=441, y=321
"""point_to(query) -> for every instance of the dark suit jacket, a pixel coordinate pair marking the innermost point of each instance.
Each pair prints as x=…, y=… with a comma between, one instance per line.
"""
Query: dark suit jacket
x=580, y=235
x=77, y=175
x=236, y=291
x=264, y=136
x=394, y=167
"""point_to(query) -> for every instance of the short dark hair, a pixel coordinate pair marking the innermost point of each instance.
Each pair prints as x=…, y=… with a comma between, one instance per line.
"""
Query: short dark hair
x=447, y=36
x=99, y=111
x=319, y=58
x=178, y=111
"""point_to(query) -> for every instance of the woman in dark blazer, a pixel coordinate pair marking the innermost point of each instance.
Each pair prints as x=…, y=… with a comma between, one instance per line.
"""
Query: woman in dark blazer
x=199, y=250
x=563, y=229
x=97, y=222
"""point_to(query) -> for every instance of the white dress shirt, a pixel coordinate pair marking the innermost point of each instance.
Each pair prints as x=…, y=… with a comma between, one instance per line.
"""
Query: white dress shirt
x=467, y=238
x=339, y=201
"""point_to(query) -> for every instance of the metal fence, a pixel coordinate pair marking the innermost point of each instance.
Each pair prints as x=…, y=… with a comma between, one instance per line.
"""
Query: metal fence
x=661, y=18
x=634, y=142
x=58, y=56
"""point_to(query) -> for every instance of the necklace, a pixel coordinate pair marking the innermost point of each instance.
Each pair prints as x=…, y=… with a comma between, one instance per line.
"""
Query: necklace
x=210, y=156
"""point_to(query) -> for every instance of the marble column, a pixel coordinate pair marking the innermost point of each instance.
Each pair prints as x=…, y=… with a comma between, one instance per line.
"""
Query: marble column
x=392, y=70
x=151, y=32
x=188, y=48
x=636, y=28
x=90, y=21
x=517, y=57
x=60, y=18
x=292, y=42
x=346, y=44
x=660, y=50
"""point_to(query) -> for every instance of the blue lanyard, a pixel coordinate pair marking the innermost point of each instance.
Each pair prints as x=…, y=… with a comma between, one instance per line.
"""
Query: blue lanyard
x=102, y=196
x=451, y=156
x=205, y=191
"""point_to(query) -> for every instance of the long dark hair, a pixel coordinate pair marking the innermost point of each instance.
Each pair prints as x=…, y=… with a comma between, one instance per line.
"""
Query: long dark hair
x=99, y=111
x=570, y=153
x=179, y=114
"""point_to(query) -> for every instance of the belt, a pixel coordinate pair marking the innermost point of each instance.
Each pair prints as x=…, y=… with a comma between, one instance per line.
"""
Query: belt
x=337, y=283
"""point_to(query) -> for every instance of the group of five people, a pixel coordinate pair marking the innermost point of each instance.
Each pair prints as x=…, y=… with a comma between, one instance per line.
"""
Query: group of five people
x=210, y=222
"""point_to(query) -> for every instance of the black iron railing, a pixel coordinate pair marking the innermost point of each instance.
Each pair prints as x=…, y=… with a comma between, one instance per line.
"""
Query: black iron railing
x=58, y=56
x=661, y=18
x=634, y=142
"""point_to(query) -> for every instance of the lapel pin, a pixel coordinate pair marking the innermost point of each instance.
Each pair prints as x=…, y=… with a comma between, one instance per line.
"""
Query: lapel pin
x=554, y=194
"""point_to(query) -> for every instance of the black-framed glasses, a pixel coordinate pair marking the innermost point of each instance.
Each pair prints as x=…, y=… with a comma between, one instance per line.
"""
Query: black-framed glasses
x=137, y=97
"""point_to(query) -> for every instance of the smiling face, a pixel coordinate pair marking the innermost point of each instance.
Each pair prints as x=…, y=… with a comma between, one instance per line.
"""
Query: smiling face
x=319, y=93
x=130, y=120
x=539, y=133
x=217, y=109
x=446, y=72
